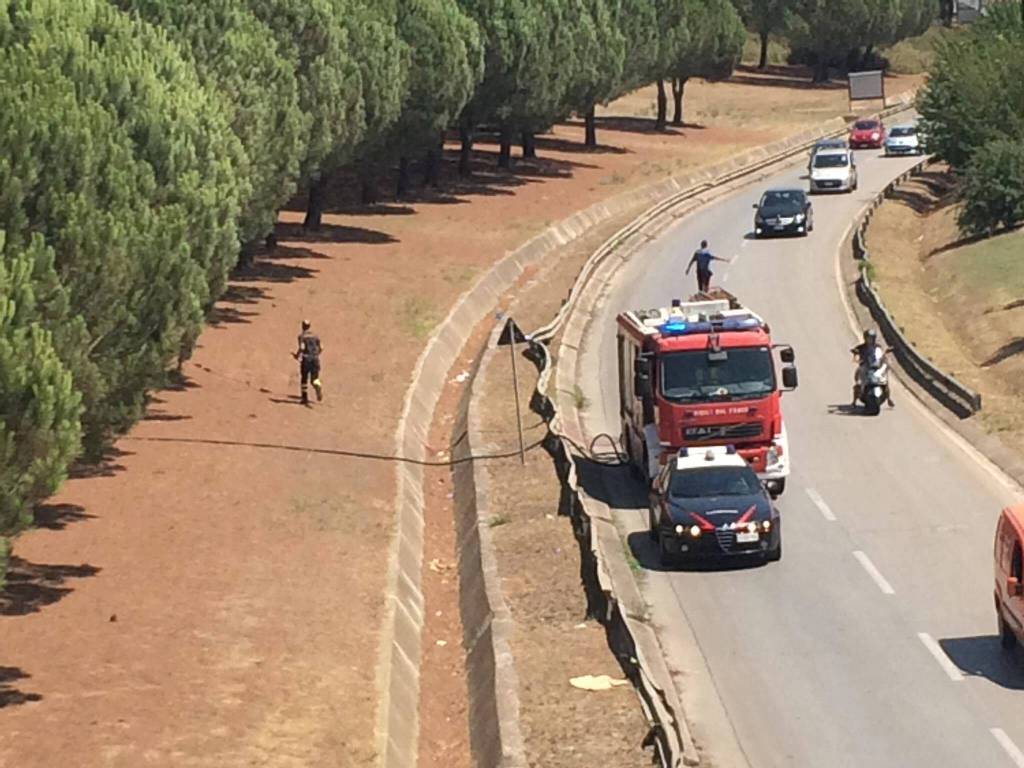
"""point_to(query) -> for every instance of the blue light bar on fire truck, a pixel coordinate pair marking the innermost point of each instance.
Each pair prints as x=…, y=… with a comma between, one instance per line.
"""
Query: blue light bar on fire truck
x=732, y=323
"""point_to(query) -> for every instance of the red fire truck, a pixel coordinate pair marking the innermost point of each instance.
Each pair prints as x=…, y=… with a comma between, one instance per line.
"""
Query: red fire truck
x=703, y=373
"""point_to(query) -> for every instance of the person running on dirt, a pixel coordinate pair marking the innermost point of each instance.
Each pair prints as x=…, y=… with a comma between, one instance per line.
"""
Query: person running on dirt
x=308, y=355
x=703, y=258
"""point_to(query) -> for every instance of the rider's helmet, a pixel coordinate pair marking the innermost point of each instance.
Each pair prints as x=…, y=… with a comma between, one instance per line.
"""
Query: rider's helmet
x=870, y=336
x=305, y=325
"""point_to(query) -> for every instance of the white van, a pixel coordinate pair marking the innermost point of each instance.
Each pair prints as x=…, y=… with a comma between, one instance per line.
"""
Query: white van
x=833, y=170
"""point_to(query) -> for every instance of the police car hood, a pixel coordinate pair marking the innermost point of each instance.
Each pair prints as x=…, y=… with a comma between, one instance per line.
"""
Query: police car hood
x=720, y=510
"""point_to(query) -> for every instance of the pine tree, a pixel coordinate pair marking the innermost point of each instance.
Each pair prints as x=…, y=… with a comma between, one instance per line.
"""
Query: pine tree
x=445, y=68
x=236, y=55
x=40, y=432
x=312, y=37
x=716, y=37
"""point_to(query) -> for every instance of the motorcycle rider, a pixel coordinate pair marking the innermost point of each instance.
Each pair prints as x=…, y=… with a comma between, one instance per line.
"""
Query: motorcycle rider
x=868, y=354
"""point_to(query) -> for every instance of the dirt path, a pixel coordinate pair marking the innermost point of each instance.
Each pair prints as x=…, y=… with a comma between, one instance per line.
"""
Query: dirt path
x=212, y=596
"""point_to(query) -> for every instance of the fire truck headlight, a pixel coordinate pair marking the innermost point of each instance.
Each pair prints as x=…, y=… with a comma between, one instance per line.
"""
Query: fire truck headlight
x=772, y=457
x=695, y=531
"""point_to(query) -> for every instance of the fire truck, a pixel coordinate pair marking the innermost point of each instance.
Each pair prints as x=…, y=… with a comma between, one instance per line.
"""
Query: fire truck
x=703, y=373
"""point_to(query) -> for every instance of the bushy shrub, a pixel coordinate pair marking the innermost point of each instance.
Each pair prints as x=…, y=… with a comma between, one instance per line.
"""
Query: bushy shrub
x=993, y=188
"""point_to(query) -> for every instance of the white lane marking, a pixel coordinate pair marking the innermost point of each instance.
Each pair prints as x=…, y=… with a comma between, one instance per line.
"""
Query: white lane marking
x=821, y=505
x=874, y=573
x=940, y=656
x=1007, y=744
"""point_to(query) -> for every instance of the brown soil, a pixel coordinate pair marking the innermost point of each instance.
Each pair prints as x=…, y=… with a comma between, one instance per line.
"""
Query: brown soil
x=956, y=305
x=212, y=595
x=538, y=561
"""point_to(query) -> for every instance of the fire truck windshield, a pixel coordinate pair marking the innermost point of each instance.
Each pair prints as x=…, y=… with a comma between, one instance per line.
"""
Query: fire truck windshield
x=691, y=376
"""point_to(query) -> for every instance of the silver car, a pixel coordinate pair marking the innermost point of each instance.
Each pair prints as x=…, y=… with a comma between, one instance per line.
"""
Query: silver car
x=903, y=140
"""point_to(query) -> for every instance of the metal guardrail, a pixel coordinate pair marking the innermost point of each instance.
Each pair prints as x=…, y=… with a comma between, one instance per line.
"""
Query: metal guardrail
x=944, y=387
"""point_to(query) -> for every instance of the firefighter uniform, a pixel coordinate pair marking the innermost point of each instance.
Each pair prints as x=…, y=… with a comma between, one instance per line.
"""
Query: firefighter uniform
x=309, y=362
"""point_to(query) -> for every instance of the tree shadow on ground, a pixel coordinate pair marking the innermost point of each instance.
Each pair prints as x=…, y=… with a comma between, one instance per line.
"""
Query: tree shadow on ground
x=11, y=696
x=969, y=240
x=635, y=124
x=787, y=76
x=326, y=233
x=1015, y=304
x=549, y=142
x=982, y=656
x=106, y=465
x=1009, y=349
x=57, y=517
x=31, y=586
x=926, y=192
x=269, y=271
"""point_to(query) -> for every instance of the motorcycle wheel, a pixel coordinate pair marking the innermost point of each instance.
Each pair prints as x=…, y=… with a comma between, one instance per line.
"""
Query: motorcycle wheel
x=872, y=406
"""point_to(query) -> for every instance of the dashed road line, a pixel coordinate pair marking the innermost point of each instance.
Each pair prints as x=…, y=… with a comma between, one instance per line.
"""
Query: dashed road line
x=819, y=502
x=874, y=573
x=940, y=656
x=1008, y=746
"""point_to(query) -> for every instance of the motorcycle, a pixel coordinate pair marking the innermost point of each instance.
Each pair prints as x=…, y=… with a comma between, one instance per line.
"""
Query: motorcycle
x=872, y=384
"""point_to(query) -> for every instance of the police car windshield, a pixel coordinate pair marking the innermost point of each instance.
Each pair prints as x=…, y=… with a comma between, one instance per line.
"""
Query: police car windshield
x=691, y=376
x=713, y=481
x=830, y=161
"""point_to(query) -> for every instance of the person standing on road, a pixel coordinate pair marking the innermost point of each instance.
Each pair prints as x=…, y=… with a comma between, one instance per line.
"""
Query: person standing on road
x=703, y=258
x=308, y=355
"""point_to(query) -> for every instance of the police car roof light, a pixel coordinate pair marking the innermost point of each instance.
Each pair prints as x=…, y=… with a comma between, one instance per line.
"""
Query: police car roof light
x=730, y=449
x=684, y=452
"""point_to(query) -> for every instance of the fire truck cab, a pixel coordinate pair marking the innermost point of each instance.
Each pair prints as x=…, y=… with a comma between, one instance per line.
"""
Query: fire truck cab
x=703, y=373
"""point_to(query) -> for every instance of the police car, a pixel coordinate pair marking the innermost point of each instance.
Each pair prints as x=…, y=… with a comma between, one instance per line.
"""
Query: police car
x=708, y=502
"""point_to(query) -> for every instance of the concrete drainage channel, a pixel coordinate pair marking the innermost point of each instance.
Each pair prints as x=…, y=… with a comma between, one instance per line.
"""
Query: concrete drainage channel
x=493, y=701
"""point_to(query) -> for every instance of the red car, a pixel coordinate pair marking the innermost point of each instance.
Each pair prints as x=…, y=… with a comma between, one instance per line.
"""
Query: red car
x=867, y=133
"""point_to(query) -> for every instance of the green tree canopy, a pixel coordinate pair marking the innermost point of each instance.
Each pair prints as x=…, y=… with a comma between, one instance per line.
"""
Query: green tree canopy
x=128, y=168
x=236, y=55
x=975, y=90
x=766, y=17
x=40, y=431
x=715, y=44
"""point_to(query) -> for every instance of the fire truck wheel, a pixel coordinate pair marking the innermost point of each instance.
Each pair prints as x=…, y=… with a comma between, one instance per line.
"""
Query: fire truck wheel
x=1006, y=637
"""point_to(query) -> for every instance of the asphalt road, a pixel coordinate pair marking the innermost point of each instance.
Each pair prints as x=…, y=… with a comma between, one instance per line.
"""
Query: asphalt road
x=873, y=641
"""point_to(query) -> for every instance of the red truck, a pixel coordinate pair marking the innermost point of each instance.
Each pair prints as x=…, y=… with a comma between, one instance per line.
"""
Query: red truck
x=703, y=373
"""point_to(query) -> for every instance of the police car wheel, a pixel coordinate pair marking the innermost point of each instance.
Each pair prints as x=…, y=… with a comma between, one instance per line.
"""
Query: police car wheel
x=664, y=557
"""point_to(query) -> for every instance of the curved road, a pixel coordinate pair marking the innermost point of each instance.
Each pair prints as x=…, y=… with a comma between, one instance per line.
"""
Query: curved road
x=873, y=641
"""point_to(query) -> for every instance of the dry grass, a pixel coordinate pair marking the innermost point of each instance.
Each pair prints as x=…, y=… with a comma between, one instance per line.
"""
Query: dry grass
x=961, y=304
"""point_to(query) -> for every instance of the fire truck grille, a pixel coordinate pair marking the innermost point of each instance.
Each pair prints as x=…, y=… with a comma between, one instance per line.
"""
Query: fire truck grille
x=722, y=431
x=726, y=539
